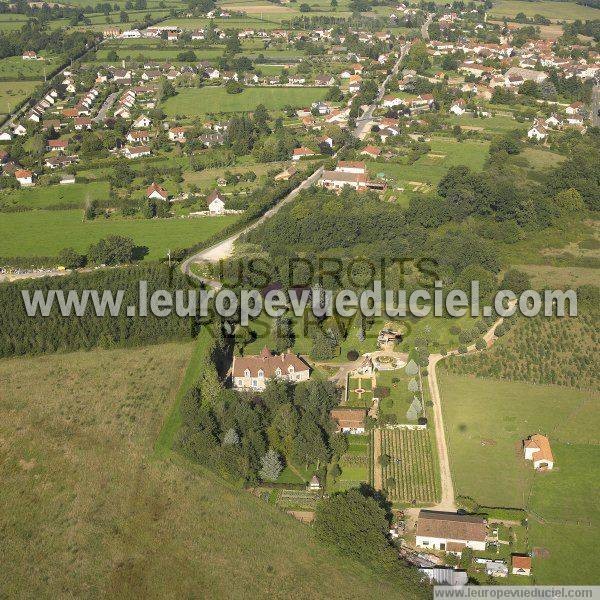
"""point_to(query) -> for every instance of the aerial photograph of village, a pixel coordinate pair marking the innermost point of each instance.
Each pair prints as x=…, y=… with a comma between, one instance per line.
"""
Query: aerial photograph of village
x=299, y=299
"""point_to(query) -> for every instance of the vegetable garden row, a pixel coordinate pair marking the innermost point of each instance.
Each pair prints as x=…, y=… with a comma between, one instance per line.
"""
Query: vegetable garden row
x=409, y=476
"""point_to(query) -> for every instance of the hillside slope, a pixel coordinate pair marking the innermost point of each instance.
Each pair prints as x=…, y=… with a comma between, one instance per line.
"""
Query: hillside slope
x=87, y=513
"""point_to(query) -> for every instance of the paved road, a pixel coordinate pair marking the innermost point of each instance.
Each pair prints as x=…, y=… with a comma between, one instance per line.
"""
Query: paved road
x=106, y=106
x=224, y=249
x=425, y=27
x=363, y=124
x=595, y=106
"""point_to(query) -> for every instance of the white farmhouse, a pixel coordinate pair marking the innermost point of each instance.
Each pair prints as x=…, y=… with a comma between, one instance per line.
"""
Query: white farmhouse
x=450, y=532
x=216, y=203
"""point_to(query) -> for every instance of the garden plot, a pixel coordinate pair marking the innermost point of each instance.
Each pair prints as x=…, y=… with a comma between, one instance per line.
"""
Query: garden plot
x=407, y=465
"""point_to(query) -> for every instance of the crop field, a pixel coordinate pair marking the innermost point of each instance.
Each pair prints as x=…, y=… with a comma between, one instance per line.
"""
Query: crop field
x=12, y=22
x=14, y=92
x=556, y=11
x=409, y=477
x=195, y=102
x=87, y=511
x=45, y=233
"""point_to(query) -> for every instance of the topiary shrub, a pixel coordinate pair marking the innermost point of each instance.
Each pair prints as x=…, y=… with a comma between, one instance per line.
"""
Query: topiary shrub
x=352, y=355
x=422, y=421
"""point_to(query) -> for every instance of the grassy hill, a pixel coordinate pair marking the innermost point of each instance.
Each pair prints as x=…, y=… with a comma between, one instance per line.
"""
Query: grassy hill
x=87, y=512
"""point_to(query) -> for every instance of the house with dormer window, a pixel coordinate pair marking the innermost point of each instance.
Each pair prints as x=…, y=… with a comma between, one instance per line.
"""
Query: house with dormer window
x=252, y=372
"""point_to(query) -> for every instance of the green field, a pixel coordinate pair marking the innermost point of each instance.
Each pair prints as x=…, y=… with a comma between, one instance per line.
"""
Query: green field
x=486, y=420
x=14, y=67
x=75, y=195
x=87, y=511
x=430, y=169
x=45, y=233
x=195, y=102
x=556, y=11
x=14, y=92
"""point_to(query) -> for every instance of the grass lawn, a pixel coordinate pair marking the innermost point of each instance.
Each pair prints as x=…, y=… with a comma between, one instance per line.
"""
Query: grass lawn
x=45, y=233
x=75, y=195
x=485, y=421
x=495, y=124
x=88, y=512
x=400, y=398
x=14, y=92
x=14, y=67
x=430, y=168
x=354, y=464
x=199, y=101
x=556, y=11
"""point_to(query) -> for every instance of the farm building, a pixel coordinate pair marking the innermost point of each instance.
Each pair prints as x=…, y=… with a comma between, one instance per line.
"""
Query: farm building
x=450, y=532
x=537, y=449
x=349, y=420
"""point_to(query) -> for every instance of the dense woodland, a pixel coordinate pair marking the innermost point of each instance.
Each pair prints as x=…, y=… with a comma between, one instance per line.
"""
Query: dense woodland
x=461, y=226
x=250, y=437
x=21, y=334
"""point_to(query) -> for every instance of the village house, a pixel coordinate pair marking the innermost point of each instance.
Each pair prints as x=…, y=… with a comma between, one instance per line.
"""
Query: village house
x=29, y=55
x=537, y=449
x=252, y=372
x=24, y=177
x=156, y=192
x=371, y=151
x=302, y=153
x=458, y=107
x=57, y=145
x=450, y=532
x=142, y=122
x=177, y=134
x=136, y=151
x=216, y=203
x=538, y=131
x=351, y=166
x=138, y=136
x=349, y=420
x=80, y=123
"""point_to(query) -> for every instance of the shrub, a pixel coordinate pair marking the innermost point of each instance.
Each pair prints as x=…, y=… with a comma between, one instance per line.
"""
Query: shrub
x=462, y=350
x=352, y=355
x=454, y=329
x=480, y=344
x=381, y=392
x=422, y=421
